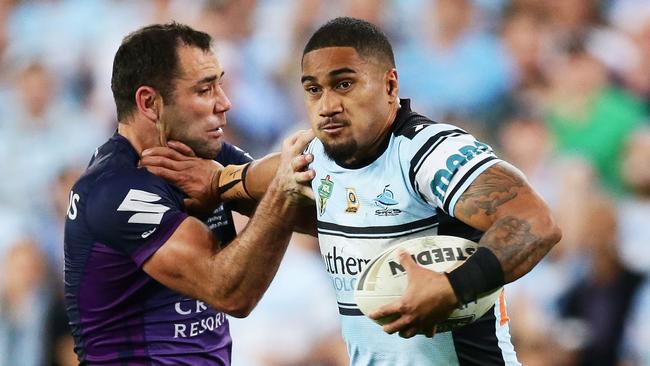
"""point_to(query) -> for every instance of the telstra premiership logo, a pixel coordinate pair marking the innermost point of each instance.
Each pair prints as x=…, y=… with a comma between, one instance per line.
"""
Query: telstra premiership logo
x=324, y=193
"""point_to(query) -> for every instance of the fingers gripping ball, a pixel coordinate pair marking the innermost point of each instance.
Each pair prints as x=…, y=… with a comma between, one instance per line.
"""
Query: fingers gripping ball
x=232, y=182
x=384, y=280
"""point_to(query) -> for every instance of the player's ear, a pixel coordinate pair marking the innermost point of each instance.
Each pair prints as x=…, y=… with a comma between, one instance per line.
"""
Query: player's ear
x=149, y=102
x=392, y=85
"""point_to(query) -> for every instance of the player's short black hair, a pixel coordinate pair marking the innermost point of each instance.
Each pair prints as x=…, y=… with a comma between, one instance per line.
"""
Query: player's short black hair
x=149, y=57
x=363, y=36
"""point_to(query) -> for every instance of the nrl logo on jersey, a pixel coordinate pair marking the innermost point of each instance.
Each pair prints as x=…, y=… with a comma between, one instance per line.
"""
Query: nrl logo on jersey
x=324, y=193
x=384, y=201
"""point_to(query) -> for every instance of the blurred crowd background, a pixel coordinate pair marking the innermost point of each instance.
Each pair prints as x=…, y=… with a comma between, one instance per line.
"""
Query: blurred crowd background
x=560, y=88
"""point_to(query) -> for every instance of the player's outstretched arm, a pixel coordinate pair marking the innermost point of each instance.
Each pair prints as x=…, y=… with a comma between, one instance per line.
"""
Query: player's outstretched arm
x=207, y=183
x=234, y=278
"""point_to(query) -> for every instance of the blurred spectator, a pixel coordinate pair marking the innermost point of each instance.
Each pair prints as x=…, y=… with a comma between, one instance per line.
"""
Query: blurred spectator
x=44, y=133
x=261, y=113
x=633, y=18
x=24, y=305
x=633, y=215
x=596, y=308
x=634, y=212
x=47, y=224
x=589, y=117
x=451, y=68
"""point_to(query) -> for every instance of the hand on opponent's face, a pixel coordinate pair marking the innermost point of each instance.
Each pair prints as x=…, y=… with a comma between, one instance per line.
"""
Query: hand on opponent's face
x=207, y=183
x=197, y=177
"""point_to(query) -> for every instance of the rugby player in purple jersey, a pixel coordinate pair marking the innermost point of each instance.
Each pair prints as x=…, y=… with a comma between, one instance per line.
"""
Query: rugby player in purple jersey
x=149, y=278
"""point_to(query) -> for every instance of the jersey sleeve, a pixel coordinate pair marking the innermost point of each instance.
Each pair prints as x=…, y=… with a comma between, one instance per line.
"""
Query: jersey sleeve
x=231, y=154
x=444, y=161
x=134, y=213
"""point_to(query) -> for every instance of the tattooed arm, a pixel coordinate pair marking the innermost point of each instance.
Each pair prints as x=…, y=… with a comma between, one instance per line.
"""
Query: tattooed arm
x=519, y=231
x=518, y=225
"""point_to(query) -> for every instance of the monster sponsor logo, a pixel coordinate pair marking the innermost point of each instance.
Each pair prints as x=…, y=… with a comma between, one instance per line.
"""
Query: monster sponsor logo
x=443, y=177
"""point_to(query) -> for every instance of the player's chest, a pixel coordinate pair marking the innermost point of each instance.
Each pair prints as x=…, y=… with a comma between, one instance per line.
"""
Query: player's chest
x=368, y=198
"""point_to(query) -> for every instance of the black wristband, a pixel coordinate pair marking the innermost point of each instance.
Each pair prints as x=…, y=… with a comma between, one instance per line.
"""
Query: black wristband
x=243, y=178
x=481, y=273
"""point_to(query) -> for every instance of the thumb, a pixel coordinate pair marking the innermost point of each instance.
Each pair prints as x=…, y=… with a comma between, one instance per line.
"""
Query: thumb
x=406, y=260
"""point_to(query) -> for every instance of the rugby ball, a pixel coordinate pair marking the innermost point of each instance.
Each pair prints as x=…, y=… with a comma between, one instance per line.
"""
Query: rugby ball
x=384, y=280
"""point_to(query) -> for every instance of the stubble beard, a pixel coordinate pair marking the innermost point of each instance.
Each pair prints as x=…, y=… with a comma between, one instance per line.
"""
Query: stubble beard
x=202, y=147
x=342, y=153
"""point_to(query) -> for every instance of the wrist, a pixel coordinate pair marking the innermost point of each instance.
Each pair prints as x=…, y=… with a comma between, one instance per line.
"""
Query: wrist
x=481, y=273
x=231, y=182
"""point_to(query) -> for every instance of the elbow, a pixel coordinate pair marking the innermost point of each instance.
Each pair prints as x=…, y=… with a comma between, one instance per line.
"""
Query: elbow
x=239, y=308
x=551, y=233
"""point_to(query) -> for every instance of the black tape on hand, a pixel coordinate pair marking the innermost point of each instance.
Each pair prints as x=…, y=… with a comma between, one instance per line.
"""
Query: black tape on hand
x=481, y=273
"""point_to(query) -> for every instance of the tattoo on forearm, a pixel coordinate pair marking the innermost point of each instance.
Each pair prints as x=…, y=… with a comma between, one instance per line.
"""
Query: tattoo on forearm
x=514, y=233
x=491, y=190
x=515, y=245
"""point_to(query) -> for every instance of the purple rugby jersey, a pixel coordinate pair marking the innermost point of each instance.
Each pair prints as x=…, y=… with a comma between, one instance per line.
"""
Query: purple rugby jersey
x=118, y=216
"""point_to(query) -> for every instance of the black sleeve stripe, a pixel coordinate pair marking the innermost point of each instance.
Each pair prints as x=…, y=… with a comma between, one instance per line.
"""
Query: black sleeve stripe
x=427, y=148
x=462, y=181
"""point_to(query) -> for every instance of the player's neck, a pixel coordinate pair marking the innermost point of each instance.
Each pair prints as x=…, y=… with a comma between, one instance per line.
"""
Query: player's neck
x=380, y=143
x=141, y=135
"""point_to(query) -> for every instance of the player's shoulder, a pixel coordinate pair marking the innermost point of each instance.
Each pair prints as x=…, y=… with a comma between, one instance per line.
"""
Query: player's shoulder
x=414, y=126
x=414, y=131
x=113, y=175
x=232, y=154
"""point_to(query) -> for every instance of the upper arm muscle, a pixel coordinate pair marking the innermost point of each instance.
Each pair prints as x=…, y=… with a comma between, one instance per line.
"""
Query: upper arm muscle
x=501, y=188
x=184, y=262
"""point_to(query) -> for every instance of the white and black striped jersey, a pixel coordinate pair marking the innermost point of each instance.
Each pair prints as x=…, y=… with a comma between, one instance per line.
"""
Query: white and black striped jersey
x=408, y=191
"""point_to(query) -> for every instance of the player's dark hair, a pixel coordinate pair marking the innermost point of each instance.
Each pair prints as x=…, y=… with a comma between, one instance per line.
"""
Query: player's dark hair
x=149, y=57
x=363, y=36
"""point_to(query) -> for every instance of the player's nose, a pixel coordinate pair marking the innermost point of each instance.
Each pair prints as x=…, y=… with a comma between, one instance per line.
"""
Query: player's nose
x=330, y=104
x=222, y=103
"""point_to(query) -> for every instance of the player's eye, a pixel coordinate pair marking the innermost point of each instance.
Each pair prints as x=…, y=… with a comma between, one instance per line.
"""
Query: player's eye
x=204, y=91
x=344, y=85
x=312, y=89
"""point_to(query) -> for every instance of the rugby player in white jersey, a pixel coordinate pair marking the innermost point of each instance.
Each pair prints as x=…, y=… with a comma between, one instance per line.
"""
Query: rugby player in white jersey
x=385, y=174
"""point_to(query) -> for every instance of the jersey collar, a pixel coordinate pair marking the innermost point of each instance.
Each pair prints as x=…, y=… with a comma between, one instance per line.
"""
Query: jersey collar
x=400, y=118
